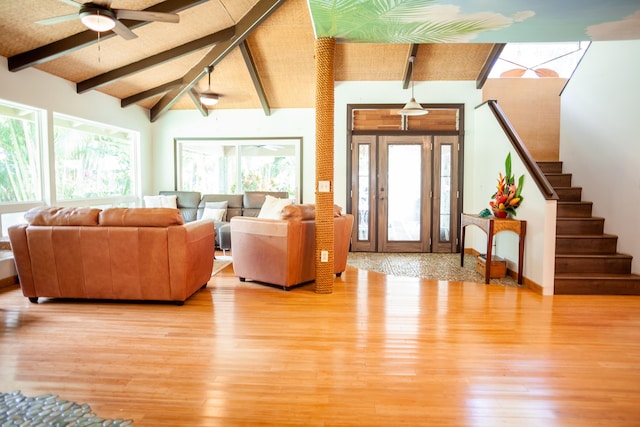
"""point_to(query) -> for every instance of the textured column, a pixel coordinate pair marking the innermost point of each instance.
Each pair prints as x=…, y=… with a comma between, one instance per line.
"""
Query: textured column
x=324, y=54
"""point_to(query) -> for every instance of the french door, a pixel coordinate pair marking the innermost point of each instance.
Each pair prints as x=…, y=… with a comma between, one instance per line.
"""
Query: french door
x=405, y=193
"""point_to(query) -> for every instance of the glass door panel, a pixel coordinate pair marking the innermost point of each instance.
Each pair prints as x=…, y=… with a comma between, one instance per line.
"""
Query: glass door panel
x=363, y=193
x=445, y=226
x=404, y=170
x=404, y=174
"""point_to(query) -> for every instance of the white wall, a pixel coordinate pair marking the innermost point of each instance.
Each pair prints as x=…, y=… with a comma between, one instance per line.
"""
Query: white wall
x=300, y=122
x=599, y=137
x=35, y=88
x=484, y=160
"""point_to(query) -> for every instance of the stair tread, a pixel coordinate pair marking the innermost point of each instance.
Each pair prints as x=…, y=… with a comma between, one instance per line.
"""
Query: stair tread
x=578, y=218
x=574, y=202
x=614, y=255
x=586, y=236
x=630, y=276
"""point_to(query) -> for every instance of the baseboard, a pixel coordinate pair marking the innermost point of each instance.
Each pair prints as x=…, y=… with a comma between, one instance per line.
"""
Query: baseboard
x=530, y=284
x=7, y=282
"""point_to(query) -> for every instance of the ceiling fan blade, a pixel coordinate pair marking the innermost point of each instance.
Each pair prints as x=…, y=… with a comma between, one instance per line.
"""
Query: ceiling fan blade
x=515, y=72
x=71, y=3
x=141, y=15
x=58, y=19
x=545, y=72
x=124, y=32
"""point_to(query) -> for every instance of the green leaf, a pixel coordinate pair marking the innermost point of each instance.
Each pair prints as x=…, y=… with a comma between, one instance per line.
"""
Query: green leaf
x=520, y=184
x=507, y=166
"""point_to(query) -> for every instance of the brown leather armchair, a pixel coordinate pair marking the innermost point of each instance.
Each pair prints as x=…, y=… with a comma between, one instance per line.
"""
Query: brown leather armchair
x=282, y=251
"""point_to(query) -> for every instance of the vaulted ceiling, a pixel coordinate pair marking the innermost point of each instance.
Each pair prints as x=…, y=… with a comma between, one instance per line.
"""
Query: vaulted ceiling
x=262, y=50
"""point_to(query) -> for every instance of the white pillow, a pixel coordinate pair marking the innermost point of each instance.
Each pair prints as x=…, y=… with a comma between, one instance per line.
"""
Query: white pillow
x=272, y=207
x=161, y=201
x=216, y=211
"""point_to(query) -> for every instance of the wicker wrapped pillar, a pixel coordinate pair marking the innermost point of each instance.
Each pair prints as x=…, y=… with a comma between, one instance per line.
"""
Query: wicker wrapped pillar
x=324, y=56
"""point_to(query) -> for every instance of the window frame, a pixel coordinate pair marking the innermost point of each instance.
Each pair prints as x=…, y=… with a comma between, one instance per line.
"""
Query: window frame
x=297, y=142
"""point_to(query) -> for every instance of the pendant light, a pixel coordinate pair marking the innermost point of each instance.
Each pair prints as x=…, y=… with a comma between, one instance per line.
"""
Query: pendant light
x=412, y=108
x=209, y=98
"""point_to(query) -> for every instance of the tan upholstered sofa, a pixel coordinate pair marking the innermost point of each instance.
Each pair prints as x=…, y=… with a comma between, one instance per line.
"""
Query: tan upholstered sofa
x=116, y=254
x=282, y=251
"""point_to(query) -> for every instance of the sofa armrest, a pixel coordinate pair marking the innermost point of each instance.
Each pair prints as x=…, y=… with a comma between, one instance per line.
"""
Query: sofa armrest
x=279, y=252
x=191, y=252
x=22, y=259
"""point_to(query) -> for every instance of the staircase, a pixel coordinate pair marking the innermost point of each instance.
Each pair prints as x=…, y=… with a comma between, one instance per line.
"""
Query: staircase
x=587, y=261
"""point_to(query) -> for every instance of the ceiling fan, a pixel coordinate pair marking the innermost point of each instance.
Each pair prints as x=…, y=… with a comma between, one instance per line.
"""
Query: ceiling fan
x=99, y=16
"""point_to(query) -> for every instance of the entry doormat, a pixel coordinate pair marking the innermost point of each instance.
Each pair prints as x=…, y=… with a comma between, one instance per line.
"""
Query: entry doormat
x=17, y=409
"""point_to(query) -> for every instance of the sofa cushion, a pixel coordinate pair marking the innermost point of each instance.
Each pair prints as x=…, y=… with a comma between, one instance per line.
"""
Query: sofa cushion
x=162, y=201
x=272, y=207
x=234, y=203
x=62, y=216
x=216, y=211
x=253, y=200
x=302, y=212
x=140, y=217
x=305, y=211
x=187, y=202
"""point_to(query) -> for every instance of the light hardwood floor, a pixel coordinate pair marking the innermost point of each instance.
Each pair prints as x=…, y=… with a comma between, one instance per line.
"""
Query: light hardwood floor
x=379, y=351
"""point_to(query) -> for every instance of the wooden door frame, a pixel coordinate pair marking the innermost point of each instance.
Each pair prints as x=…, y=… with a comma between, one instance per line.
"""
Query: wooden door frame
x=460, y=133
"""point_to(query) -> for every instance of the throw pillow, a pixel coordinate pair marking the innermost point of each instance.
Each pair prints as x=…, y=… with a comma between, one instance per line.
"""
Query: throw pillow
x=161, y=201
x=216, y=211
x=272, y=207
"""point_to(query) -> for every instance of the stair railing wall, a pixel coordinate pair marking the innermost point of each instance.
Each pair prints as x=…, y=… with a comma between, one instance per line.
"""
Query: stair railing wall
x=494, y=137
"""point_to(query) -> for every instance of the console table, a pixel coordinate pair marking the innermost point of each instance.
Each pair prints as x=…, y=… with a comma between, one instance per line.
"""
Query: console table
x=492, y=226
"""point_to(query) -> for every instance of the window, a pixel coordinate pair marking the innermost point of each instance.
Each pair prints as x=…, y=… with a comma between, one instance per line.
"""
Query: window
x=20, y=160
x=533, y=60
x=93, y=161
x=19, y=154
x=233, y=166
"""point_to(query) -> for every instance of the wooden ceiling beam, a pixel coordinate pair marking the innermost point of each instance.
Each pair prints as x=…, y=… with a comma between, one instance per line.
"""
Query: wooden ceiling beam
x=413, y=51
x=152, y=61
x=86, y=38
x=195, y=97
x=244, y=27
x=257, y=83
x=493, y=56
x=125, y=102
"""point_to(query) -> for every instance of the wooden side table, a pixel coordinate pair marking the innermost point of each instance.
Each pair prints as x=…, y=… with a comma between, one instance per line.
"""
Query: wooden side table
x=492, y=226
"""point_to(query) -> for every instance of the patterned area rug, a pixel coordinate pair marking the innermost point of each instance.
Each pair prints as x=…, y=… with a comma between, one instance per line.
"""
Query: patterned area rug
x=220, y=263
x=425, y=266
x=17, y=409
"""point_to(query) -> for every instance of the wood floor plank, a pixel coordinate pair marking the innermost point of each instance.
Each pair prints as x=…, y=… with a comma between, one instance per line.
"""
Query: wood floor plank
x=379, y=351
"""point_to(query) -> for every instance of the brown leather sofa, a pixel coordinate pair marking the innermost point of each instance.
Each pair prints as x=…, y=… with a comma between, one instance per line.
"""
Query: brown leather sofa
x=282, y=251
x=115, y=254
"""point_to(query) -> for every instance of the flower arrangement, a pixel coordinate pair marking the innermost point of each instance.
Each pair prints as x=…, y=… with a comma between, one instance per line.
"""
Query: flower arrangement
x=508, y=197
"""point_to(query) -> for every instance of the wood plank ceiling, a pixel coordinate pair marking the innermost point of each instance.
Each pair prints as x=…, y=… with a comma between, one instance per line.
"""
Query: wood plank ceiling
x=262, y=53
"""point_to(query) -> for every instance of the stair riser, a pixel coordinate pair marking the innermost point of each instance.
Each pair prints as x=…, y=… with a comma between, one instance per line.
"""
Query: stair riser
x=582, y=246
x=597, y=286
x=593, y=265
x=572, y=210
x=580, y=226
x=559, y=180
x=571, y=194
x=550, y=167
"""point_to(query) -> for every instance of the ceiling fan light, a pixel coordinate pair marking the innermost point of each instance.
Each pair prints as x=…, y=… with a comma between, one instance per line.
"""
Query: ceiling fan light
x=209, y=99
x=412, y=108
x=97, y=19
